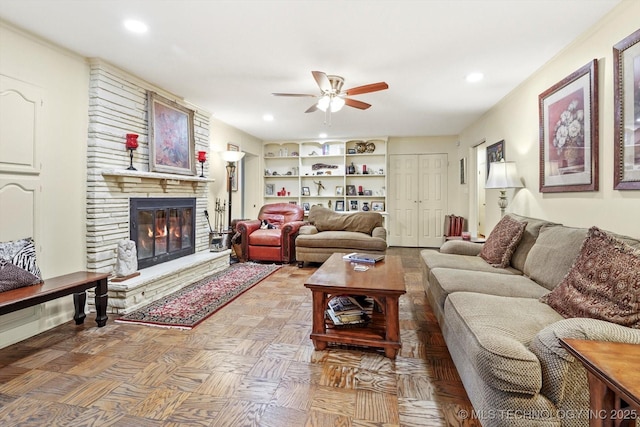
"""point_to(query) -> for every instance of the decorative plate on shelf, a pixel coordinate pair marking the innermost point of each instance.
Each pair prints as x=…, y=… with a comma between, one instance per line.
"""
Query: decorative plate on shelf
x=370, y=147
x=361, y=147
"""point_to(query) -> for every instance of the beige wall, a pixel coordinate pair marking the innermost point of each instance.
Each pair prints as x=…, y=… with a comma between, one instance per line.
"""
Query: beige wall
x=221, y=135
x=515, y=119
x=60, y=213
x=447, y=144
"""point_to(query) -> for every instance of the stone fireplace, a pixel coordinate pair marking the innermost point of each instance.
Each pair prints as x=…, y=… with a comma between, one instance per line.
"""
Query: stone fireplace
x=118, y=105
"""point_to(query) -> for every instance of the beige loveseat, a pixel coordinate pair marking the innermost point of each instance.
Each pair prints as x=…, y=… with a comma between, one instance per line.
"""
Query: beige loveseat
x=329, y=232
x=505, y=341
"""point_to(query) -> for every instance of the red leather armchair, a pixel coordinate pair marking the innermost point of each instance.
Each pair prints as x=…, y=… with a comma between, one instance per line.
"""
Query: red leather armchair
x=276, y=244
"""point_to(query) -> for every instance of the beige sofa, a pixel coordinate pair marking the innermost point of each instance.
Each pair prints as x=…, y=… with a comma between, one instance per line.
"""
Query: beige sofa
x=329, y=232
x=505, y=341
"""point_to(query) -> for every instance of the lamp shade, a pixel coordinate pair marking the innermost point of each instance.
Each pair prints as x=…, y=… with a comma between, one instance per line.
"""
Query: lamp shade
x=231, y=156
x=503, y=175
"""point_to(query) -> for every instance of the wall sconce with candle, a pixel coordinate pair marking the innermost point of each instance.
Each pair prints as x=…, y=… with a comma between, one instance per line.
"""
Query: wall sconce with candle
x=131, y=145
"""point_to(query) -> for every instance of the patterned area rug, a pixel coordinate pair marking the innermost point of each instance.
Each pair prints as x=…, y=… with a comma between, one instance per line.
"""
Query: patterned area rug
x=185, y=308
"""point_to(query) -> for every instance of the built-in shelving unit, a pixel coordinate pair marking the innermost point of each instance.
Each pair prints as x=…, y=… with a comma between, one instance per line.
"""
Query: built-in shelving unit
x=343, y=175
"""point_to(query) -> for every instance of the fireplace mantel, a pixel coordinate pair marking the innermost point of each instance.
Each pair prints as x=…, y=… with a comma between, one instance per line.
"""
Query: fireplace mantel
x=129, y=180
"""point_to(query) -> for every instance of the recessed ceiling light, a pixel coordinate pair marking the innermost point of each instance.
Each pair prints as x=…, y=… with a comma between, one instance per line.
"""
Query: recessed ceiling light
x=474, y=77
x=322, y=135
x=267, y=117
x=135, y=26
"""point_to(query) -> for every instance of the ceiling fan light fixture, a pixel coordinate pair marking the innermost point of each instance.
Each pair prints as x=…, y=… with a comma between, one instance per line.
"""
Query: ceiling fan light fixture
x=323, y=103
x=336, y=104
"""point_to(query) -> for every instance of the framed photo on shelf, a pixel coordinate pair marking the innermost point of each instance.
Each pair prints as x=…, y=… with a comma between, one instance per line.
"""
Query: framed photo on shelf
x=339, y=190
x=569, y=133
x=171, y=141
x=367, y=193
x=269, y=189
x=626, y=83
x=377, y=206
x=495, y=153
x=353, y=205
x=305, y=191
x=339, y=205
x=236, y=174
x=351, y=190
x=305, y=206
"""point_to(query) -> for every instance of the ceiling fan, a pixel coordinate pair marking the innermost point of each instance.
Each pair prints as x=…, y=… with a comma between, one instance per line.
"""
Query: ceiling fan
x=332, y=97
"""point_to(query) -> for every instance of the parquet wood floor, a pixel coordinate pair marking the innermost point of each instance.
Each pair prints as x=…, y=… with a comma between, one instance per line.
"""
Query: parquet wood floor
x=250, y=364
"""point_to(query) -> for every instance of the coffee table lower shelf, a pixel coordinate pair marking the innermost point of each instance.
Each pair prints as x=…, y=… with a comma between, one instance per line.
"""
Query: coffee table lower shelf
x=356, y=336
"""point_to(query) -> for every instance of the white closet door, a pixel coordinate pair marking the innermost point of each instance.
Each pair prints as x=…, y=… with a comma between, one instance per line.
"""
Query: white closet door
x=432, y=203
x=418, y=199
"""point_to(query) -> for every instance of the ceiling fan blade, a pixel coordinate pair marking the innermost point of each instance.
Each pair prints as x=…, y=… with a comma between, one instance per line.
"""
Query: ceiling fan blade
x=322, y=80
x=356, y=104
x=294, y=94
x=313, y=108
x=373, y=87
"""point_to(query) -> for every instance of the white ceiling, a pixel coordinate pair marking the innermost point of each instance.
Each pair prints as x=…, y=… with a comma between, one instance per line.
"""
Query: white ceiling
x=227, y=57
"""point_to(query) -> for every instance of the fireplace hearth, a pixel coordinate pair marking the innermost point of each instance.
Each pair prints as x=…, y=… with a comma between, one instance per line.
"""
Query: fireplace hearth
x=163, y=228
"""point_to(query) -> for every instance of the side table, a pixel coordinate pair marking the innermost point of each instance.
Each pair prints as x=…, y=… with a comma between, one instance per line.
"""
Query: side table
x=614, y=380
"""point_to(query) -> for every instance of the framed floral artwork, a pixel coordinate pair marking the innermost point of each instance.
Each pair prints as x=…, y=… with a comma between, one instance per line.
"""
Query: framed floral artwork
x=171, y=141
x=626, y=83
x=569, y=133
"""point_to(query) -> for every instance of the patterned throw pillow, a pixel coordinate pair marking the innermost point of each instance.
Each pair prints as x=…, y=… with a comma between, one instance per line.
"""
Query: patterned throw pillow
x=603, y=283
x=13, y=277
x=15, y=256
x=502, y=242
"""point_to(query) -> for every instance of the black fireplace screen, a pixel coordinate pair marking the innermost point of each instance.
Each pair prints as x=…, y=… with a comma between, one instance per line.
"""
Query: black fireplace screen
x=163, y=228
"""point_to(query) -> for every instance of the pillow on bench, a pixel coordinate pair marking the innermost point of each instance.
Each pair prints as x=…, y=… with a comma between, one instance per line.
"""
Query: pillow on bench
x=18, y=266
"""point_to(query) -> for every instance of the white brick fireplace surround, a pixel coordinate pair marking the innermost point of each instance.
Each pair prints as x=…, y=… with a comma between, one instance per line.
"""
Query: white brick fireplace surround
x=117, y=106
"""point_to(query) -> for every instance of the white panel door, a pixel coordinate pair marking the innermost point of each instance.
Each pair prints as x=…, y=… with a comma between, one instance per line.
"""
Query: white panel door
x=403, y=199
x=432, y=202
x=418, y=199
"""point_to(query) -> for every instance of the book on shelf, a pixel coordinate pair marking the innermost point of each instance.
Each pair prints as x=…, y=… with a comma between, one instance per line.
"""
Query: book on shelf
x=363, y=257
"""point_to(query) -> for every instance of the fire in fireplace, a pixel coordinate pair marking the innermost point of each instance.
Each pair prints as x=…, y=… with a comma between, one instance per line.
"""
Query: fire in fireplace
x=163, y=228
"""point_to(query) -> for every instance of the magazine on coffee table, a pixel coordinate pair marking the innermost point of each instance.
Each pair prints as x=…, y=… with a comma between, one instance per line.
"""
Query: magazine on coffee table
x=363, y=257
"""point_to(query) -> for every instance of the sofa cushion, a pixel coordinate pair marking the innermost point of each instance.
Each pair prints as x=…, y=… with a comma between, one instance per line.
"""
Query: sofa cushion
x=327, y=220
x=502, y=242
x=266, y=237
x=337, y=240
x=564, y=378
x=444, y=281
x=528, y=239
x=434, y=259
x=604, y=282
x=495, y=335
x=553, y=254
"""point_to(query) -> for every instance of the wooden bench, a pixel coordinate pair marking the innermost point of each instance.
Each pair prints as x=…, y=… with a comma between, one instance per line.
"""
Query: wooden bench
x=75, y=283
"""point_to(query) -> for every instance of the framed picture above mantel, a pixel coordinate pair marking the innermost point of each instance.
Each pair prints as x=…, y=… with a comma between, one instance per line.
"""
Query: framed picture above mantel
x=569, y=133
x=626, y=84
x=171, y=140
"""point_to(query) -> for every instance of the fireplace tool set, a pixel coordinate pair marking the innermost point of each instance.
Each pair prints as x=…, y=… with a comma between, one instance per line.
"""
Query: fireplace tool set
x=219, y=240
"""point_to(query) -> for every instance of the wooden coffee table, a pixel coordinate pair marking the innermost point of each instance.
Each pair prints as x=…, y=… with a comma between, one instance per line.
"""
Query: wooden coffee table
x=384, y=282
x=614, y=378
